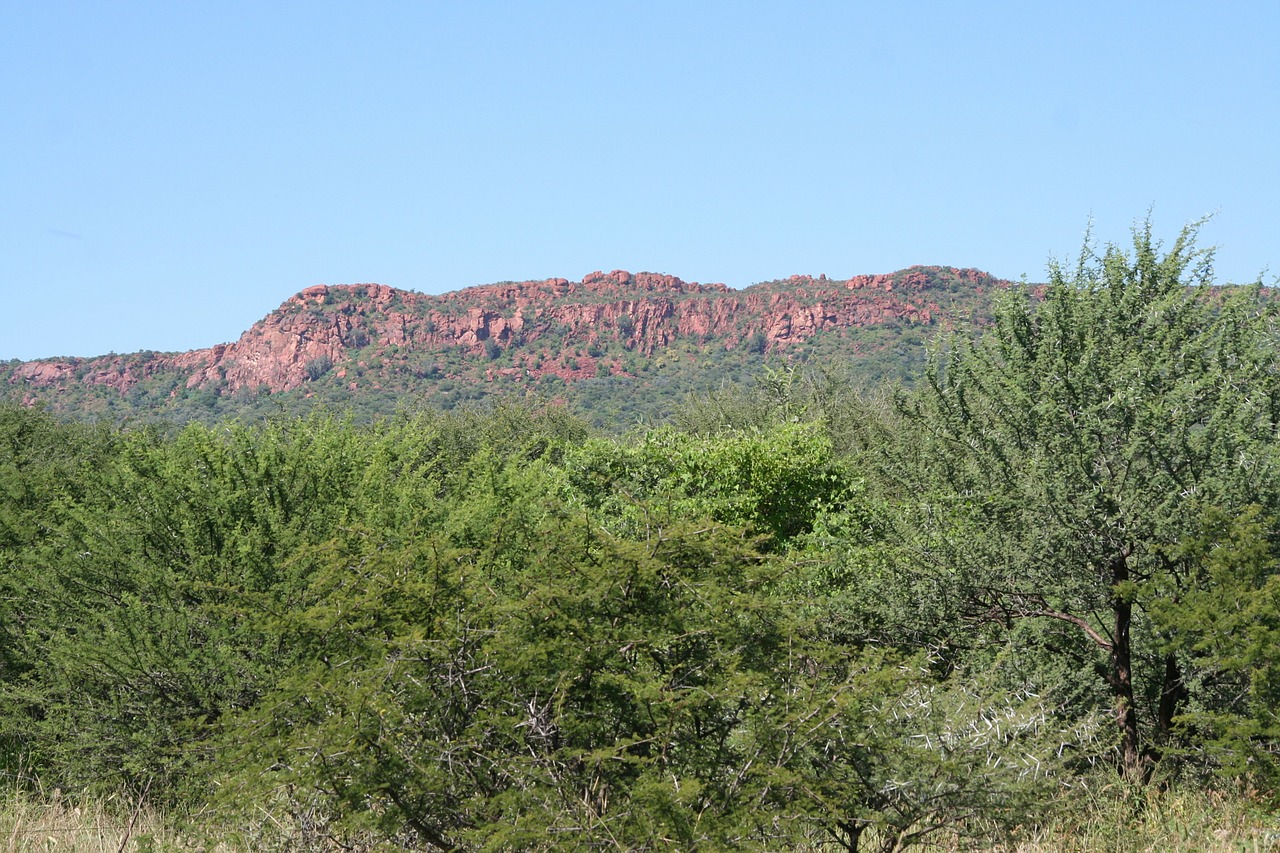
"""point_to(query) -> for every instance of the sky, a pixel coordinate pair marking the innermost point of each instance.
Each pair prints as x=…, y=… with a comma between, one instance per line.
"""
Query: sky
x=170, y=172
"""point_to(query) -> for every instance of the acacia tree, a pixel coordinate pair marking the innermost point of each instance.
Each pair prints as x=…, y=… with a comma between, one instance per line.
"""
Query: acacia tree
x=1065, y=455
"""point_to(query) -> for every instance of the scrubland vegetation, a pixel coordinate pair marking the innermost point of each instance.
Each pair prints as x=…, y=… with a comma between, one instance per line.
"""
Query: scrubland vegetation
x=1031, y=603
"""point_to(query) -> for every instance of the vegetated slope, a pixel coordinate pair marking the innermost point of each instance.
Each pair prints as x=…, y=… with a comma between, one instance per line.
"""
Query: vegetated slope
x=613, y=344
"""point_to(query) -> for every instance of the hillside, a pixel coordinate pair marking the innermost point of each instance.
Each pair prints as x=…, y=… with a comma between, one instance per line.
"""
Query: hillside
x=613, y=344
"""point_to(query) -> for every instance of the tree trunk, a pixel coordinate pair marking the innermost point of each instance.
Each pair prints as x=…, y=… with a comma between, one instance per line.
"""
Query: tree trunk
x=850, y=834
x=1122, y=676
x=1172, y=694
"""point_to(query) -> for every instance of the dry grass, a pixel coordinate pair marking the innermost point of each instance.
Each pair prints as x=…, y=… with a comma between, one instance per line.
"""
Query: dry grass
x=50, y=823
x=35, y=821
x=1169, y=821
x=1104, y=820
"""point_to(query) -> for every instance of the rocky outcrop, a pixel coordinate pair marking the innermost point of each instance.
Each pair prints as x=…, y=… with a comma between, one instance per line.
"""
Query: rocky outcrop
x=557, y=325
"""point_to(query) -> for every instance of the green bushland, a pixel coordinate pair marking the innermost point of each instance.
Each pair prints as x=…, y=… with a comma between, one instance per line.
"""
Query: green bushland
x=1030, y=601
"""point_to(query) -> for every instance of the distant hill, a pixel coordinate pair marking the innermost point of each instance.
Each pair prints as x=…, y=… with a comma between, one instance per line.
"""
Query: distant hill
x=616, y=345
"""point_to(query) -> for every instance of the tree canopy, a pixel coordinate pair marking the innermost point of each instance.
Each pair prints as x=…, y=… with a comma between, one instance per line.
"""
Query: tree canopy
x=1066, y=458
x=801, y=616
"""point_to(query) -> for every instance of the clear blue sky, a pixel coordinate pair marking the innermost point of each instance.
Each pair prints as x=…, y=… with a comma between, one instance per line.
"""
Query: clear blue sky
x=172, y=171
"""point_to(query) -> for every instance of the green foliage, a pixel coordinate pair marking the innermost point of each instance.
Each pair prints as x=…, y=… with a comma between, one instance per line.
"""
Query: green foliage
x=802, y=616
x=318, y=367
x=502, y=681
x=1062, y=460
x=140, y=618
x=1227, y=626
x=518, y=676
x=773, y=482
x=134, y=603
x=44, y=465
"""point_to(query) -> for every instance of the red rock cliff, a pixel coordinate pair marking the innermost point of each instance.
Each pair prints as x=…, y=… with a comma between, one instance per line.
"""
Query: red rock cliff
x=323, y=325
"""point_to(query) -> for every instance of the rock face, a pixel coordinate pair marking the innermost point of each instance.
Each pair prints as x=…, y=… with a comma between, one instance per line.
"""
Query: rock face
x=558, y=327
